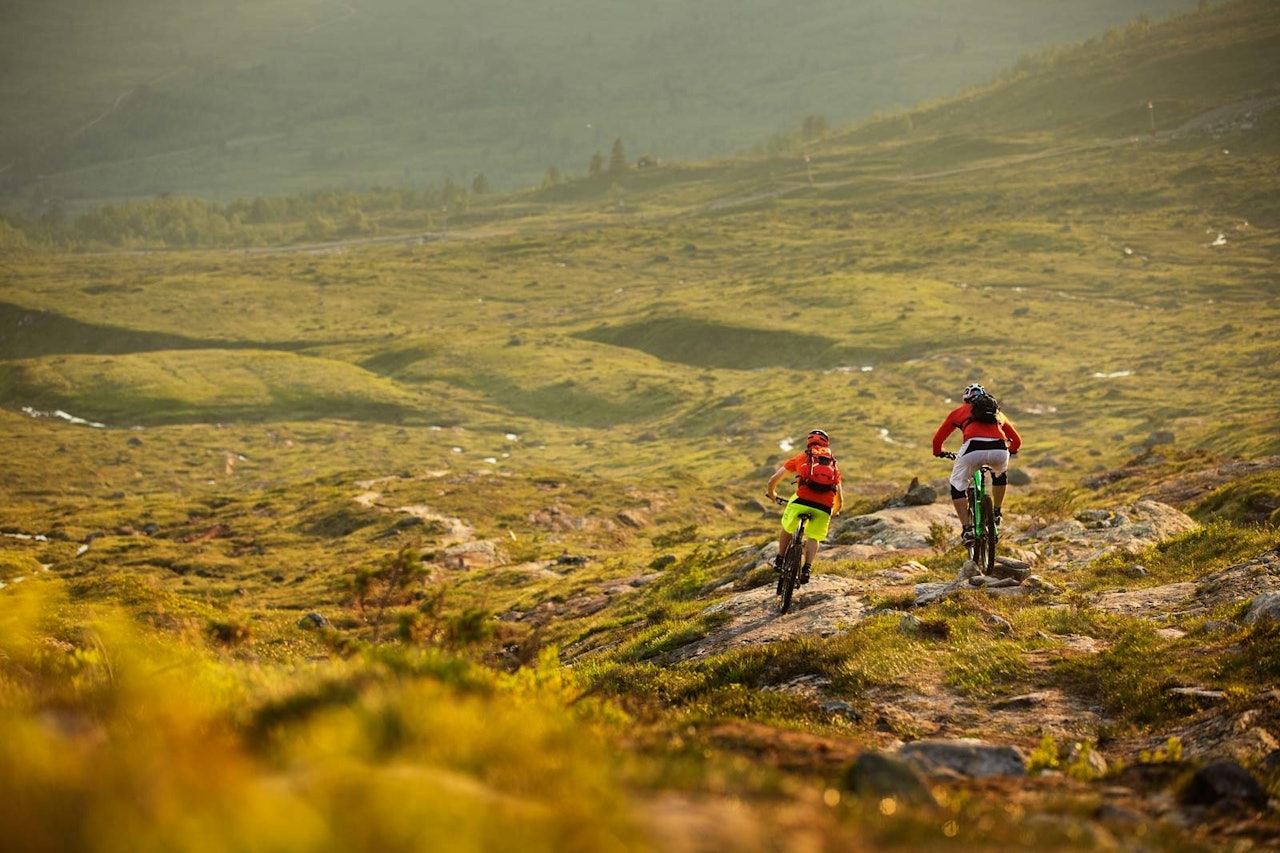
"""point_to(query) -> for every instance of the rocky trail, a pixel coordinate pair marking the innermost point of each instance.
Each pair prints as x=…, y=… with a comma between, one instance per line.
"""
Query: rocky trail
x=942, y=734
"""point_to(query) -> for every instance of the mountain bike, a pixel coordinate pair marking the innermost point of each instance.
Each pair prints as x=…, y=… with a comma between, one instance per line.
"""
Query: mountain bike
x=982, y=518
x=789, y=574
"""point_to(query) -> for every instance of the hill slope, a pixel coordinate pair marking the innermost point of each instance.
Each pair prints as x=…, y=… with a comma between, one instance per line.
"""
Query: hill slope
x=125, y=100
x=426, y=539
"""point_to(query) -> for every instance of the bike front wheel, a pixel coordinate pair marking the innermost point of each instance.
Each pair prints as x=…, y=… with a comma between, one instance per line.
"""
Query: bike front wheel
x=791, y=568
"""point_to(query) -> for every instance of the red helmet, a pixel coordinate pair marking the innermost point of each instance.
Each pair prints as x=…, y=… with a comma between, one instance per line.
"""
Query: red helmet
x=819, y=438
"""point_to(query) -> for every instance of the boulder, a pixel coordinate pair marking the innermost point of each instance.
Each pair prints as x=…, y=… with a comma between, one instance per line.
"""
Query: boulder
x=1265, y=608
x=966, y=756
x=880, y=775
x=1224, y=784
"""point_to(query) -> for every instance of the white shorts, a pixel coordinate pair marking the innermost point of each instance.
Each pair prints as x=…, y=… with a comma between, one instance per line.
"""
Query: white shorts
x=968, y=462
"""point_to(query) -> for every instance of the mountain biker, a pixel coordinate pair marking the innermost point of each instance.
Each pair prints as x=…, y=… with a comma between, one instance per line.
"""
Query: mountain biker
x=983, y=444
x=820, y=501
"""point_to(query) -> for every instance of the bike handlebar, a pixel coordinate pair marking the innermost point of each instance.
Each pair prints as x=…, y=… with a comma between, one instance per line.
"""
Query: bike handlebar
x=946, y=454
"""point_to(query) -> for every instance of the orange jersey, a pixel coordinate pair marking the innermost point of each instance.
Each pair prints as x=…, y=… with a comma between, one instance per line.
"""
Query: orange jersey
x=962, y=419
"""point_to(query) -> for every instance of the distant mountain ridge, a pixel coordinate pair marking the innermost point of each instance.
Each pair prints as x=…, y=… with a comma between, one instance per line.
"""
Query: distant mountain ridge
x=288, y=96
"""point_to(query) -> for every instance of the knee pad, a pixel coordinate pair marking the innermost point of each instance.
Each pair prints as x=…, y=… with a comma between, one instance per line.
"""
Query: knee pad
x=1000, y=479
x=956, y=494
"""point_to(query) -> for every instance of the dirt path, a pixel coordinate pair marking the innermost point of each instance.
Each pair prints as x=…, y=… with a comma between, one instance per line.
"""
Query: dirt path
x=457, y=531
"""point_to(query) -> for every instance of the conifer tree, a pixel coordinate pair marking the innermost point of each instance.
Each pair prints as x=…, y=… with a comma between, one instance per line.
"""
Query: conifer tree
x=617, y=157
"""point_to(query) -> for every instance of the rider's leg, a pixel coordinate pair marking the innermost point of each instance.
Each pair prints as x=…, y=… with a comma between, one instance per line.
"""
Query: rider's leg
x=959, y=481
x=784, y=542
x=790, y=522
x=999, y=479
x=810, y=551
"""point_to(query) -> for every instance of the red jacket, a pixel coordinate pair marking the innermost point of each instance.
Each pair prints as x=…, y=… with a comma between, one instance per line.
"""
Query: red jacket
x=962, y=419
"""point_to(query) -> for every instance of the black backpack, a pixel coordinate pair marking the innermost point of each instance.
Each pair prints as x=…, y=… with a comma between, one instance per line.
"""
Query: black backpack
x=983, y=408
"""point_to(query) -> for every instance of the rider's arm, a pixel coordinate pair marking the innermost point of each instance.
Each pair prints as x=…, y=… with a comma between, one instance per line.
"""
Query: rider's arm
x=771, y=489
x=1015, y=440
x=941, y=435
x=839, y=502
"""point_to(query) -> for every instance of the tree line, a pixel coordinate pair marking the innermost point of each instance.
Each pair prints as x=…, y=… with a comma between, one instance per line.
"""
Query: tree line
x=176, y=222
x=182, y=222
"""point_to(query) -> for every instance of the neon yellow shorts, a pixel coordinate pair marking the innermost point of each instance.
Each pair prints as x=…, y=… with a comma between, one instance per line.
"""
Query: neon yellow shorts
x=817, y=528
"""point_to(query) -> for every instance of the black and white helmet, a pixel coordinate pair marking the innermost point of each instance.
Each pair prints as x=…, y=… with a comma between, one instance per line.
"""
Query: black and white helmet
x=972, y=391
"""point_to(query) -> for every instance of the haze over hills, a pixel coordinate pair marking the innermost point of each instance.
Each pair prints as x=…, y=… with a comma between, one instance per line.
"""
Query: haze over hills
x=333, y=523
x=223, y=99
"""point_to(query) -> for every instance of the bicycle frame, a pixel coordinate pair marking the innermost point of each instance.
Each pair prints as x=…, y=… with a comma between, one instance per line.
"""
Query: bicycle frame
x=976, y=494
x=982, y=517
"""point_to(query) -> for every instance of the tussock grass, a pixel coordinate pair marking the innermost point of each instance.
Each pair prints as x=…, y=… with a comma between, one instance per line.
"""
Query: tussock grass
x=167, y=743
x=260, y=582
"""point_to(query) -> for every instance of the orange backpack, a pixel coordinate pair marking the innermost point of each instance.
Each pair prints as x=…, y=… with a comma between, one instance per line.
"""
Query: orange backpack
x=820, y=471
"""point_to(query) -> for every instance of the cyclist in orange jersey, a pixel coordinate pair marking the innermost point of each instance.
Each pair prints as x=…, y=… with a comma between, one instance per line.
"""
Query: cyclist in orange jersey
x=818, y=492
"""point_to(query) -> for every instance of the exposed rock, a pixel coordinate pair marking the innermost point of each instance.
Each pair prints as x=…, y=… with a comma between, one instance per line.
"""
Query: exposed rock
x=1199, y=695
x=988, y=582
x=927, y=593
x=840, y=708
x=1006, y=567
x=1078, y=541
x=892, y=529
x=554, y=518
x=920, y=494
x=1019, y=477
x=1082, y=754
x=1219, y=732
x=880, y=775
x=1039, y=584
x=824, y=607
x=999, y=624
x=1224, y=783
x=470, y=555
x=966, y=756
x=1188, y=487
x=1156, y=600
x=1257, y=579
x=314, y=620
x=1021, y=703
x=1265, y=608
x=634, y=518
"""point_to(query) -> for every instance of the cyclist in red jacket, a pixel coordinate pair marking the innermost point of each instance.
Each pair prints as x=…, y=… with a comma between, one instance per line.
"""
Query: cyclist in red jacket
x=813, y=495
x=985, y=442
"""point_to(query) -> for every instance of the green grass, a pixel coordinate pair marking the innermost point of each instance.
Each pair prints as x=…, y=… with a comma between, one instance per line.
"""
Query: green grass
x=600, y=397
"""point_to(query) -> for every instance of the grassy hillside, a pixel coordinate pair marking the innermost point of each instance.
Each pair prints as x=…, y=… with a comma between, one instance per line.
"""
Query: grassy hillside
x=451, y=535
x=119, y=100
